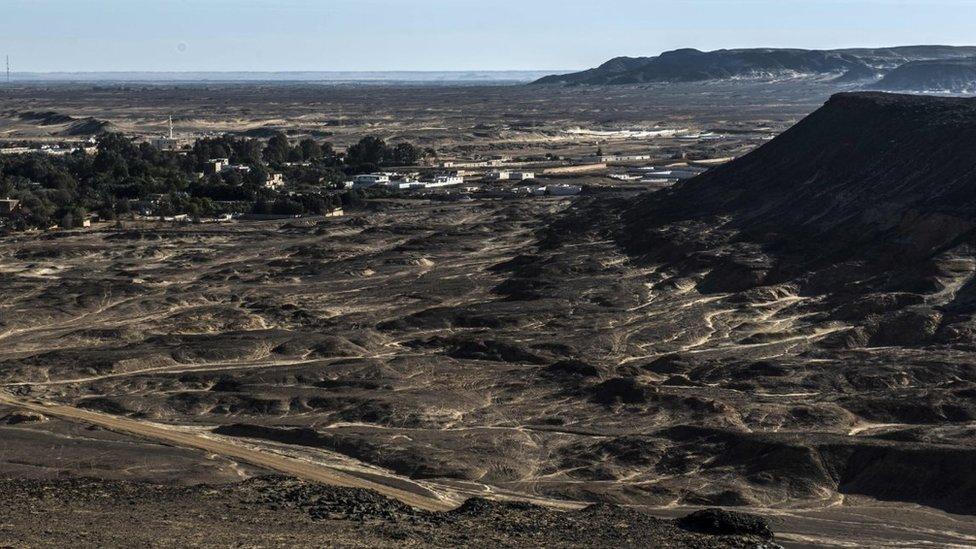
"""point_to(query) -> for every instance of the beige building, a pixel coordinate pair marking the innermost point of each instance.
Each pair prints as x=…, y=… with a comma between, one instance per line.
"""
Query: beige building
x=275, y=181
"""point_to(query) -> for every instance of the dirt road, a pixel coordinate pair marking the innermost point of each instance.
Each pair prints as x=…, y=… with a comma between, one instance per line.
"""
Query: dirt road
x=422, y=498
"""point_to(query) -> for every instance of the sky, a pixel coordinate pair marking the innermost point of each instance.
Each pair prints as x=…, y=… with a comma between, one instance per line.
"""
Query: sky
x=441, y=35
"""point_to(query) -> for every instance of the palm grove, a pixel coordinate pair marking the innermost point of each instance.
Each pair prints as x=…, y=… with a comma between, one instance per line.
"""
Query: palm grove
x=63, y=190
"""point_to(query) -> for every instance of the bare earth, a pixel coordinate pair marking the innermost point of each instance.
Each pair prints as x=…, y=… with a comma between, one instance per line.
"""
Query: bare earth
x=154, y=375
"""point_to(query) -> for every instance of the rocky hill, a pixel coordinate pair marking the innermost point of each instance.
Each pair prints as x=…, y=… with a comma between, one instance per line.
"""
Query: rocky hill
x=691, y=65
x=872, y=196
x=941, y=76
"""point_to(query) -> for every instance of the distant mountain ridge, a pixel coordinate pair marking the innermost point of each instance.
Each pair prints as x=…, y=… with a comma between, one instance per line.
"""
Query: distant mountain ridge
x=939, y=76
x=691, y=65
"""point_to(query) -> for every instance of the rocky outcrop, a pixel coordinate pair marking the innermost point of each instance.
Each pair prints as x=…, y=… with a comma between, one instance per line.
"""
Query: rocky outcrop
x=725, y=523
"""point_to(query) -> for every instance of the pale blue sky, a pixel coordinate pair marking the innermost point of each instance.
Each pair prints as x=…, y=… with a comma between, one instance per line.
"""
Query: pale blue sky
x=271, y=35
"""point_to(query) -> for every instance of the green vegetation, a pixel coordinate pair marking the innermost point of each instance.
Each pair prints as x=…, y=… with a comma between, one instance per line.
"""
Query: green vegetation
x=123, y=177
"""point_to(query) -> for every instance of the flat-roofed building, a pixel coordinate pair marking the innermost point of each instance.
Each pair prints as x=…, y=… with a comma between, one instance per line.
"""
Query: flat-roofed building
x=368, y=180
x=166, y=143
x=215, y=165
x=444, y=180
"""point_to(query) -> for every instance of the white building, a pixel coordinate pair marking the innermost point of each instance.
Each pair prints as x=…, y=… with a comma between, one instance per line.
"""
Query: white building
x=618, y=158
x=468, y=164
x=44, y=149
x=674, y=172
x=625, y=176
x=368, y=180
x=402, y=184
x=522, y=176
x=444, y=181
x=498, y=175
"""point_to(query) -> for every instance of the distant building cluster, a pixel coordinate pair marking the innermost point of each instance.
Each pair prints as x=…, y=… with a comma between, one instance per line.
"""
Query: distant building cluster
x=54, y=150
x=492, y=162
x=393, y=180
x=222, y=165
x=618, y=158
x=275, y=180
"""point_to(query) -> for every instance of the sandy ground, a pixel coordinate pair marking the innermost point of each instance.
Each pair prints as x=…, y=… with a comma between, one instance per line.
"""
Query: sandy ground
x=436, y=351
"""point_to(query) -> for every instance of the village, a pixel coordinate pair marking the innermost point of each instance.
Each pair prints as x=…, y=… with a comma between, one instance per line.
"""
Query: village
x=429, y=177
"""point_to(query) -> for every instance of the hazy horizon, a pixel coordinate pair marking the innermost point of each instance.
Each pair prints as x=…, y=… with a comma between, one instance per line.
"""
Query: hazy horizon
x=51, y=36
x=337, y=76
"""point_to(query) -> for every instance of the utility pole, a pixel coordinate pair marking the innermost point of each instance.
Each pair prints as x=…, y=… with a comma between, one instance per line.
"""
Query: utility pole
x=8, y=70
x=171, y=127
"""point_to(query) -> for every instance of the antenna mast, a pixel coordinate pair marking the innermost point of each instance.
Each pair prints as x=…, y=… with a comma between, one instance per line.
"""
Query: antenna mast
x=8, y=69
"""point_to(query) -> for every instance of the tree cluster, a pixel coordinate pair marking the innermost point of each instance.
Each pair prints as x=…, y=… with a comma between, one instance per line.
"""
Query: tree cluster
x=123, y=176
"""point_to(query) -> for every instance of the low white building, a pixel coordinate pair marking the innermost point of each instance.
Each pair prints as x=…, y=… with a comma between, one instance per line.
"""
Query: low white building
x=469, y=163
x=522, y=176
x=618, y=158
x=625, y=176
x=498, y=175
x=45, y=149
x=674, y=172
x=366, y=180
x=444, y=181
x=403, y=184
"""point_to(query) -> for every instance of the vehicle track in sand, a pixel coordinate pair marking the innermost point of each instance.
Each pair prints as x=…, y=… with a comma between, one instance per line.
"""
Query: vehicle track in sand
x=419, y=496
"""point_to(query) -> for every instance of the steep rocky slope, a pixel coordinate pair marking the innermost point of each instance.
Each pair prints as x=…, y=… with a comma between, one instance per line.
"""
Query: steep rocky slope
x=870, y=201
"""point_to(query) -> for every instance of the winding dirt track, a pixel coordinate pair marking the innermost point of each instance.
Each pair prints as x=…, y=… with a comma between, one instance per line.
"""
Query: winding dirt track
x=421, y=499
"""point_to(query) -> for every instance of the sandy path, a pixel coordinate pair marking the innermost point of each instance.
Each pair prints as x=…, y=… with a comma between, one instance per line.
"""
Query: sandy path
x=421, y=497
